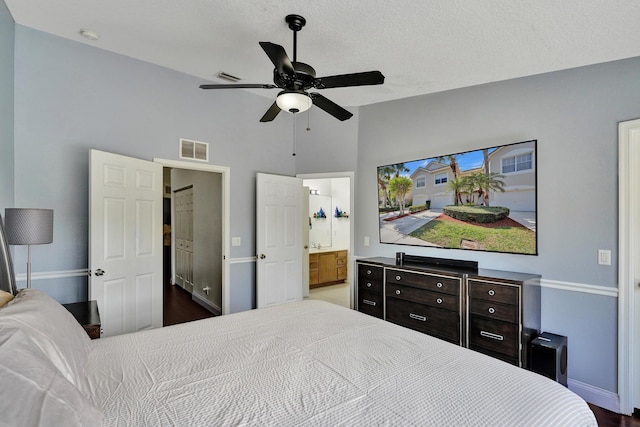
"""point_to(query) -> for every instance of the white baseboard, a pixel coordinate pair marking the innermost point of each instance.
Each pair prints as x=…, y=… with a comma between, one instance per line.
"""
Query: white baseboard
x=206, y=304
x=599, y=397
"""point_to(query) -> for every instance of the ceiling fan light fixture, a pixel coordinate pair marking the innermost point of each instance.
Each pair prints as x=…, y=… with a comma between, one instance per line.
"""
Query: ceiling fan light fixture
x=293, y=101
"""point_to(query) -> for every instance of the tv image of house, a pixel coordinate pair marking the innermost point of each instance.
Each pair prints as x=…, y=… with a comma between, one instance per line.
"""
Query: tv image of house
x=516, y=164
x=479, y=200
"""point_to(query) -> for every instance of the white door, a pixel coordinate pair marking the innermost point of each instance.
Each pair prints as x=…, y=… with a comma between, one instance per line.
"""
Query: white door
x=184, y=238
x=125, y=242
x=629, y=266
x=306, y=223
x=634, y=145
x=278, y=239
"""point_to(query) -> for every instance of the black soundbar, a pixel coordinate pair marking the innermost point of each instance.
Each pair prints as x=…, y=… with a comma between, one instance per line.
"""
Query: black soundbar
x=402, y=259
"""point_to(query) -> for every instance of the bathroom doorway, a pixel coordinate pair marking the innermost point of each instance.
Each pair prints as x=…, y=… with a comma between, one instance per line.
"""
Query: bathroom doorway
x=331, y=236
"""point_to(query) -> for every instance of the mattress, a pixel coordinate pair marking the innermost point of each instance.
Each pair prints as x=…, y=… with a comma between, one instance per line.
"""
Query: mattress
x=314, y=363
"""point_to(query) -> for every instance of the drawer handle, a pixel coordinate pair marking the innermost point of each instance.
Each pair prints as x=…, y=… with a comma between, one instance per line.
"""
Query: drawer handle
x=368, y=284
x=439, y=300
x=368, y=271
x=398, y=278
x=418, y=317
x=492, y=310
x=439, y=284
x=366, y=301
x=491, y=292
x=397, y=291
x=492, y=335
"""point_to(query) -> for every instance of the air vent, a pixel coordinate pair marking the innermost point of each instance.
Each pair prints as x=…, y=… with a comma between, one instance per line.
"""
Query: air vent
x=194, y=150
x=228, y=77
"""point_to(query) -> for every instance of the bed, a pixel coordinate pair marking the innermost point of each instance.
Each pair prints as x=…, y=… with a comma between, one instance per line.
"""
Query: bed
x=303, y=363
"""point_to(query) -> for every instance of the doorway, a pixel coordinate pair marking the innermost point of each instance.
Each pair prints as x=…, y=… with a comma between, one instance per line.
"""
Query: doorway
x=209, y=207
x=331, y=236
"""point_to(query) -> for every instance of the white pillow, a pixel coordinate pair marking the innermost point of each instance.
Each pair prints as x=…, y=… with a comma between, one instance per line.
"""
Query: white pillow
x=33, y=391
x=53, y=329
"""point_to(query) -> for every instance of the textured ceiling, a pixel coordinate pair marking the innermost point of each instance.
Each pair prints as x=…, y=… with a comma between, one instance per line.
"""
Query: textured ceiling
x=421, y=46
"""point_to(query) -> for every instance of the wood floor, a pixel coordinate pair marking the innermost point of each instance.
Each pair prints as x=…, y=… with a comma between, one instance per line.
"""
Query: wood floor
x=180, y=308
x=611, y=419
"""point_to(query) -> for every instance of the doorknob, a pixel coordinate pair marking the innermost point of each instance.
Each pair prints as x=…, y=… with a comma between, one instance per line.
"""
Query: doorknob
x=262, y=256
x=99, y=272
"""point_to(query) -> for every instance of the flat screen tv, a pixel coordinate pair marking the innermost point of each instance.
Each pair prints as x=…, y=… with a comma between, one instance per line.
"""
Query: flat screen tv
x=481, y=200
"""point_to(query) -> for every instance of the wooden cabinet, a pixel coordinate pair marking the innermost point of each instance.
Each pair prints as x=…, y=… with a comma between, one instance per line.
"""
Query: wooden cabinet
x=504, y=316
x=490, y=311
x=427, y=302
x=327, y=268
x=313, y=270
x=370, y=285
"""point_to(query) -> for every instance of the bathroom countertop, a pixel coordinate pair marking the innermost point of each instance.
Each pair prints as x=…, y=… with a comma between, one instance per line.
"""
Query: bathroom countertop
x=321, y=250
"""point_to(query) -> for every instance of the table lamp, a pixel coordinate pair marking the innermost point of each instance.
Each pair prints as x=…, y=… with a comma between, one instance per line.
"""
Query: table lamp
x=28, y=227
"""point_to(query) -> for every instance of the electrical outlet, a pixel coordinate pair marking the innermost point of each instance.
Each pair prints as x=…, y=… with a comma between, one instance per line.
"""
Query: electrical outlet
x=604, y=257
x=366, y=240
x=235, y=241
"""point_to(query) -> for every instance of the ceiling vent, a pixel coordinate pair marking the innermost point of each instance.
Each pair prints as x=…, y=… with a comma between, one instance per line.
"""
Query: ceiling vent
x=194, y=150
x=228, y=77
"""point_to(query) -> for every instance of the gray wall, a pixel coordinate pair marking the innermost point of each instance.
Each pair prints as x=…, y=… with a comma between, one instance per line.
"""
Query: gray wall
x=7, y=31
x=574, y=115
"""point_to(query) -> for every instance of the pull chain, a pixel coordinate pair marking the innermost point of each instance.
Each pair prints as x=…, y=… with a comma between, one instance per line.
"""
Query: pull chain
x=294, y=134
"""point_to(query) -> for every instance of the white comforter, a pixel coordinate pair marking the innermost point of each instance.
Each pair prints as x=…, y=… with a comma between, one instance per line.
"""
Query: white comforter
x=314, y=363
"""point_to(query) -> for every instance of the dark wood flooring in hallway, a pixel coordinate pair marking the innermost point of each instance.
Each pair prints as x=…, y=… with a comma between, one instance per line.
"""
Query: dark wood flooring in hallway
x=180, y=308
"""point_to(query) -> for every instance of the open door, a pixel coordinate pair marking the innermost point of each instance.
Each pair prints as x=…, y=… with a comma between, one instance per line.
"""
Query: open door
x=278, y=239
x=306, y=224
x=125, y=242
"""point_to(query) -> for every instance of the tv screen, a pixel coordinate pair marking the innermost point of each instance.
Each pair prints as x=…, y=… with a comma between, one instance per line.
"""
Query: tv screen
x=482, y=200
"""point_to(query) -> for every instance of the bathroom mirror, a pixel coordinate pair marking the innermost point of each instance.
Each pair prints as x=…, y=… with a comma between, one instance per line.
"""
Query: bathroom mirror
x=320, y=227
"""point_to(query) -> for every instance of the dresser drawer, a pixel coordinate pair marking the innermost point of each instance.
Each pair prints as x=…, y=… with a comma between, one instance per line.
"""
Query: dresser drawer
x=443, y=324
x=369, y=284
x=500, y=337
x=494, y=310
x=371, y=303
x=434, y=299
x=447, y=285
x=372, y=272
x=487, y=291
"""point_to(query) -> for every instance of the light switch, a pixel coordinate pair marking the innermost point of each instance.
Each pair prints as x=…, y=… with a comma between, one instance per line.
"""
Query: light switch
x=604, y=257
x=366, y=240
x=235, y=241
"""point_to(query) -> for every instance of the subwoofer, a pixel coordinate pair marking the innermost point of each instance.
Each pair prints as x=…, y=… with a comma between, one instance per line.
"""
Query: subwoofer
x=548, y=356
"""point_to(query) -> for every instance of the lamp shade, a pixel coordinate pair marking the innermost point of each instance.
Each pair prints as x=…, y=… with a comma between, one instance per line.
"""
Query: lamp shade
x=293, y=101
x=28, y=226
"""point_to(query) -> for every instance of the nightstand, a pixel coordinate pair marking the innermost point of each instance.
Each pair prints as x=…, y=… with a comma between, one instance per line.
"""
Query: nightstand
x=87, y=314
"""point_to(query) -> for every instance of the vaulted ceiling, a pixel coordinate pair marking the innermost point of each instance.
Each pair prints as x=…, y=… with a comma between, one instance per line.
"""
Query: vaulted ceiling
x=421, y=46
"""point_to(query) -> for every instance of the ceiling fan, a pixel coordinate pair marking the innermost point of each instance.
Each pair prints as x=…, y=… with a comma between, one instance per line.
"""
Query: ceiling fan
x=296, y=78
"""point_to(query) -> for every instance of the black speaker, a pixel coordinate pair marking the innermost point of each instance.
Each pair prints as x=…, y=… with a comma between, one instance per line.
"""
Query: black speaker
x=548, y=356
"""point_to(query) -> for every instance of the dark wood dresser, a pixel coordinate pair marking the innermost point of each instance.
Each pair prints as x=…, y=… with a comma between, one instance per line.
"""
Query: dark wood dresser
x=370, y=289
x=491, y=311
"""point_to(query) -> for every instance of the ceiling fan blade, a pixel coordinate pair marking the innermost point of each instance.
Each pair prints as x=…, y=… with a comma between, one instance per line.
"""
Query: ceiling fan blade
x=344, y=80
x=278, y=56
x=238, y=86
x=330, y=107
x=271, y=113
